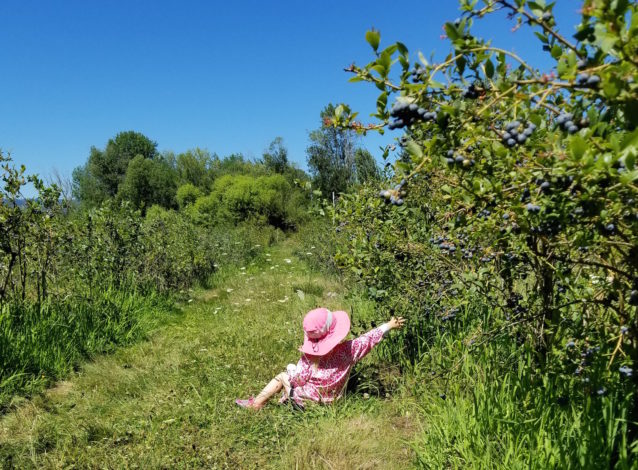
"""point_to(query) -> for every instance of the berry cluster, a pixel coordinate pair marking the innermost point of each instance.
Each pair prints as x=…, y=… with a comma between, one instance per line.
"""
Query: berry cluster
x=566, y=122
x=516, y=133
x=395, y=195
x=470, y=92
x=451, y=314
x=416, y=73
x=406, y=114
x=626, y=371
x=587, y=81
x=457, y=159
x=532, y=208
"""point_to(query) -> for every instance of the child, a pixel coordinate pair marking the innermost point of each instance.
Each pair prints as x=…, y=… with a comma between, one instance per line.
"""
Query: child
x=322, y=372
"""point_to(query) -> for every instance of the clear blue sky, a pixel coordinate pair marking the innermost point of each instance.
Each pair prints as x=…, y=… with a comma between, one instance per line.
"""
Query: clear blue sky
x=225, y=76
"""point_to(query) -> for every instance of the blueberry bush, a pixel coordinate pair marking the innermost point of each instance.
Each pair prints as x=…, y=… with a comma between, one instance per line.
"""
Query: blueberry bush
x=511, y=221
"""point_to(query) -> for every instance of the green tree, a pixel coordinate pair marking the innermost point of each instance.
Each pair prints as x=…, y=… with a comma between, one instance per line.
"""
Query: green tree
x=331, y=155
x=195, y=167
x=149, y=182
x=366, y=167
x=187, y=194
x=276, y=156
x=101, y=176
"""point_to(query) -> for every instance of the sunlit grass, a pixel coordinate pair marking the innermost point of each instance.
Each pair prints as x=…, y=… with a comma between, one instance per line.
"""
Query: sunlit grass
x=169, y=401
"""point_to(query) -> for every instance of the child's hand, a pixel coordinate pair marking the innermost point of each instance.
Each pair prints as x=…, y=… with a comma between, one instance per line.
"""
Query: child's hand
x=396, y=322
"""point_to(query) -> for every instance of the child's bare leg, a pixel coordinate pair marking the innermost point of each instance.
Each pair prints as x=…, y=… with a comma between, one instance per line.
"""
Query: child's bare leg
x=273, y=387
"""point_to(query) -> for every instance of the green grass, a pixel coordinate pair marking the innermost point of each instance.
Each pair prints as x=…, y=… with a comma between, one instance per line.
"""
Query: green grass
x=169, y=401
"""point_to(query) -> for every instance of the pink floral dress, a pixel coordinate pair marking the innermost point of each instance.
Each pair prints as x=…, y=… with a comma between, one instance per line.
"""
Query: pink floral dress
x=325, y=382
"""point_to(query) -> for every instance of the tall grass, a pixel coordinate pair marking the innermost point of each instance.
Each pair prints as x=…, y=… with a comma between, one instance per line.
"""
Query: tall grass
x=487, y=404
x=41, y=343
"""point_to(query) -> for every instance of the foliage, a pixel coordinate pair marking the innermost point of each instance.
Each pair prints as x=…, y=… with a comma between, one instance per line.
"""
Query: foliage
x=101, y=176
x=519, y=196
x=334, y=160
x=269, y=199
x=276, y=157
x=78, y=282
x=187, y=194
x=194, y=167
x=148, y=182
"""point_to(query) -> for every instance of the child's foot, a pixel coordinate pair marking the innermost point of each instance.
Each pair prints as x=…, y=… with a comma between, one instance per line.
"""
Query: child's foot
x=250, y=403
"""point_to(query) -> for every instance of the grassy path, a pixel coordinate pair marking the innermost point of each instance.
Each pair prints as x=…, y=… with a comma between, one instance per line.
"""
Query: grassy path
x=168, y=402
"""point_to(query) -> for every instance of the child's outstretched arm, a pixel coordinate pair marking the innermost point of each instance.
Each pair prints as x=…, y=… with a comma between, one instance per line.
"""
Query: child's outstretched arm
x=364, y=343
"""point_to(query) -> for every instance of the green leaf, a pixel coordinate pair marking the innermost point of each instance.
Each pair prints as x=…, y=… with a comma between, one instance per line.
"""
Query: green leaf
x=630, y=161
x=373, y=37
x=414, y=149
x=630, y=140
x=629, y=177
x=489, y=68
x=578, y=146
x=451, y=32
x=423, y=60
x=556, y=51
x=542, y=37
x=460, y=64
x=612, y=87
x=382, y=101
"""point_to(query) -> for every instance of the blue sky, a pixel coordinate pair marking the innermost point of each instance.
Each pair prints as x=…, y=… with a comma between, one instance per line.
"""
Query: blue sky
x=225, y=76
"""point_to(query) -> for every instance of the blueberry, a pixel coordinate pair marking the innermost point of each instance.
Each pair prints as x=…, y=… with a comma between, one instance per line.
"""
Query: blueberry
x=533, y=208
x=581, y=64
x=571, y=344
x=506, y=216
x=545, y=186
x=507, y=136
x=593, y=80
x=582, y=78
x=521, y=138
x=442, y=396
x=572, y=129
x=623, y=330
x=561, y=119
x=633, y=297
x=450, y=153
x=568, y=123
x=626, y=371
x=511, y=142
x=528, y=132
x=601, y=392
x=459, y=159
x=449, y=161
x=399, y=202
x=610, y=228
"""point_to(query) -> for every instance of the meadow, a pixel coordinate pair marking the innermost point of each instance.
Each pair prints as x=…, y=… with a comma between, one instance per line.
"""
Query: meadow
x=139, y=302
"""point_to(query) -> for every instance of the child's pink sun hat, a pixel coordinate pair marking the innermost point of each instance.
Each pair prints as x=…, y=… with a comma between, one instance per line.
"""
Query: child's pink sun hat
x=323, y=330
